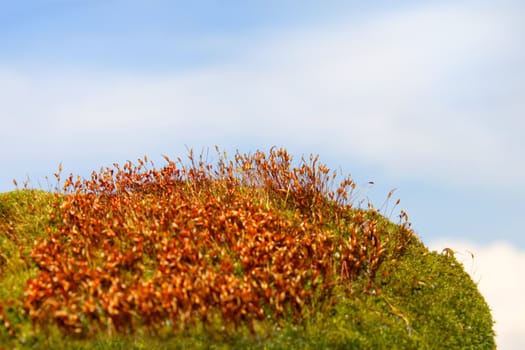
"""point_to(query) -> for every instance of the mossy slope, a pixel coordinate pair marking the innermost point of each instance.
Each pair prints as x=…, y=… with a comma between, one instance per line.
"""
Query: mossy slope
x=414, y=299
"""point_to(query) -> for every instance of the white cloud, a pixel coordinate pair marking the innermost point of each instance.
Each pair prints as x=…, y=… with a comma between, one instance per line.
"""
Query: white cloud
x=498, y=270
x=403, y=91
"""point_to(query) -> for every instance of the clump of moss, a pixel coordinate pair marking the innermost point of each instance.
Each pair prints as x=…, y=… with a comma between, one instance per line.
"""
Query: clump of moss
x=366, y=282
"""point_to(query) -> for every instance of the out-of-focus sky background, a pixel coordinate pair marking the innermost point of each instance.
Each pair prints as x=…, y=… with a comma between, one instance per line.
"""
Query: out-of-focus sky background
x=427, y=97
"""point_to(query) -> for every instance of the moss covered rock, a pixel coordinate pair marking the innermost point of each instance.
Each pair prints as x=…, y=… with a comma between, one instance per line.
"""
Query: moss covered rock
x=364, y=282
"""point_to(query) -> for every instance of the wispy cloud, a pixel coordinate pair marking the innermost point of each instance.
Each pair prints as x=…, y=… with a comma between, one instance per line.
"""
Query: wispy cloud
x=419, y=94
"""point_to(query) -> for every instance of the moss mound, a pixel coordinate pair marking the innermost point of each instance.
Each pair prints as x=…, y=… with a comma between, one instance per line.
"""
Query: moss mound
x=254, y=252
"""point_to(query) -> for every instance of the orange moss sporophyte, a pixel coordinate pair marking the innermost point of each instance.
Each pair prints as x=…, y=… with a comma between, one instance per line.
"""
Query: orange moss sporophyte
x=126, y=233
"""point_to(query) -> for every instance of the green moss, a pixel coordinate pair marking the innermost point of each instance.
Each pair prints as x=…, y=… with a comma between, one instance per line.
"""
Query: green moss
x=25, y=212
x=440, y=300
x=423, y=300
x=419, y=300
x=24, y=215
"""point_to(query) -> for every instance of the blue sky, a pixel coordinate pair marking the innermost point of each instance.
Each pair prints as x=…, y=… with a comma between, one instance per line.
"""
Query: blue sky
x=425, y=97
